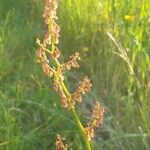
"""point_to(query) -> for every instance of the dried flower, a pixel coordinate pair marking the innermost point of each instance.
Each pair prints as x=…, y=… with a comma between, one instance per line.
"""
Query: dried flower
x=59, y=143
x=50, y=16
x=48, y=38
x=60, y=73
x=89, y=132
x=72, y=63
x=98, y=114
x=77, y=97
x=85, y=86
x=64, y=100
x=50, y=10
x=48, y=71
x=41, y=56
x=97, y=120
x=56, y=53
x=57, y=85
x=56, y=30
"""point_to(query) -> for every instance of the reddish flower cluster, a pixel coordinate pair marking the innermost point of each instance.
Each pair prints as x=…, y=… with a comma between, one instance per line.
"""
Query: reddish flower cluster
x=55, y=33
x=56, y=53
x=97, y=120
x=52, y=35
x=64, y=99
x=89, y=132
x=85, y=86
x=72, y=63
x=67, y=102
x=48, y=38
x=48, y=71
x=50, y=10
x=50, y=16
x=98, y=115
x=59, y=143
x=42, y=58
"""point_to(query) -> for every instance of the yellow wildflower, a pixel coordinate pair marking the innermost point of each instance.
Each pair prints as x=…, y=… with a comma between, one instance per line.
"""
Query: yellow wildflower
x=129, y=17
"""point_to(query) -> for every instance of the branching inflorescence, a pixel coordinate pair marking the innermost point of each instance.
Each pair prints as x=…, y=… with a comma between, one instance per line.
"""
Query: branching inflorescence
x=55, y=70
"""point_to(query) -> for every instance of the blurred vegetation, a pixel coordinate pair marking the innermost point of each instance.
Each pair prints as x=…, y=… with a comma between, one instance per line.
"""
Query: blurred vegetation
x=113, y=40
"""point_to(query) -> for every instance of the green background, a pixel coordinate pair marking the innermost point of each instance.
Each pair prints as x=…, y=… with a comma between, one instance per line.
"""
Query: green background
x=30, y=111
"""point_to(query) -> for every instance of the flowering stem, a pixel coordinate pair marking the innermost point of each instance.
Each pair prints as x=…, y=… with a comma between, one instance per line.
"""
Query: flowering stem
x=88, y=146
x=68, y=99
x=73, y=111
x=77, y=118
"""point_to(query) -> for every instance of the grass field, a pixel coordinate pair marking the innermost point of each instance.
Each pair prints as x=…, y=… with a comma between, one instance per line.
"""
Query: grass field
x=113, y=40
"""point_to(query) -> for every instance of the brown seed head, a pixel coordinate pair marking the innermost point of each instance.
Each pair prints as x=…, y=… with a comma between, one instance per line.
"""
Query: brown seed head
x=97, y=120
x=72, y=63
x=59, y=143
x=47, y=70
x=98, y=114
x=77, y=97
x=89, y=132
x=56, y=53
x=48, y=38
x=41, y=56
x=64, y=99
x=50, y=10
x=50, y=16
x=57, y=85
x=56, y=30
x=85, y=86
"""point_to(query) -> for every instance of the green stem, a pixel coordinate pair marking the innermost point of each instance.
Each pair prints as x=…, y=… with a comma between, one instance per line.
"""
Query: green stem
x=88, y=146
